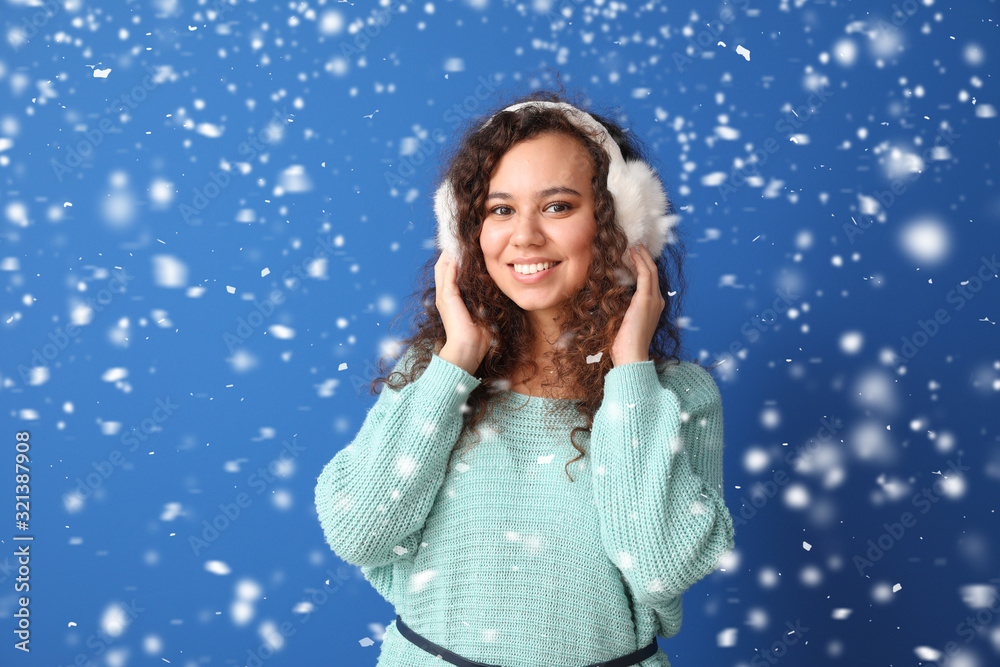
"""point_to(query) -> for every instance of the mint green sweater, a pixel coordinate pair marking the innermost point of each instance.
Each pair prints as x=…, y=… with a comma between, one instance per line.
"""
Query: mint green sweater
x=500, y=557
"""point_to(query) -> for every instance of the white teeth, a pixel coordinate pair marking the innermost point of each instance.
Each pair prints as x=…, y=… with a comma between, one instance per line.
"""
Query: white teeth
x=528, y=269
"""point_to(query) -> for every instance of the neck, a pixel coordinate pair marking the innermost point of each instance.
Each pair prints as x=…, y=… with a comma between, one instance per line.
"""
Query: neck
x=545, y=339
x=546, y=331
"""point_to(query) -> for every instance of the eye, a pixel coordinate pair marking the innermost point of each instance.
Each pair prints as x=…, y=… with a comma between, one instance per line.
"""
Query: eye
x=499, y=210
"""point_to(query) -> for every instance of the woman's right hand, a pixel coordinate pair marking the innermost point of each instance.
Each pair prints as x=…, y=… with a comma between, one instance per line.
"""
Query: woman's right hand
x=466, y=343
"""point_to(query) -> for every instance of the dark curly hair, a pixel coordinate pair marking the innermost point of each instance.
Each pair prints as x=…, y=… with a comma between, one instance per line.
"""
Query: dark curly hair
x=594, y=314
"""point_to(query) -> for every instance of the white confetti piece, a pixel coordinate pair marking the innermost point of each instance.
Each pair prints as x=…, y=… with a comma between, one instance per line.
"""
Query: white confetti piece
x=101, y=73
x=745, y=52
x=807, y=546
x=545, y=459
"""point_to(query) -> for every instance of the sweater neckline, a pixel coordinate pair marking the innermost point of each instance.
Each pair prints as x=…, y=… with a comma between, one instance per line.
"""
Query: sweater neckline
x=521, y=396
x=513, y=401
x=515, y=412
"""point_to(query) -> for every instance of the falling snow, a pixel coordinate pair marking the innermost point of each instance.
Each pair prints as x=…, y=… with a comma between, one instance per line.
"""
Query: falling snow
x=214, y=212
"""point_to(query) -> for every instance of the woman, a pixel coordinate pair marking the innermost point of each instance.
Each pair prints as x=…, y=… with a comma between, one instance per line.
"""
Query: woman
x=536, y=339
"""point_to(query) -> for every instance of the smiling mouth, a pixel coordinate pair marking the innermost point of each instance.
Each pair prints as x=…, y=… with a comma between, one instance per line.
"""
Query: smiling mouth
x=531, y=273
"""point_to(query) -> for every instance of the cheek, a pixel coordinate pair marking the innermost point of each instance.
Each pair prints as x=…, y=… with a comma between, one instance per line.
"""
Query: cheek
x=491, y=245
x=584, y=240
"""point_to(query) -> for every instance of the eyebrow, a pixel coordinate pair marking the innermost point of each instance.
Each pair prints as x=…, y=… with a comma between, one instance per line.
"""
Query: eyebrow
x=561, y=190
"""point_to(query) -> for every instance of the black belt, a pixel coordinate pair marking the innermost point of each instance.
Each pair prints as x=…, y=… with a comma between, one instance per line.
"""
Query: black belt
x=632, y=658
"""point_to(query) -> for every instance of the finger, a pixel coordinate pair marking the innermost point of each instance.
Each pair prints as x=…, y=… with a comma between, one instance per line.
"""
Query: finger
x=454, y=293
x=453, y=275
x=654, y=278
x=642, y=272
x=446, y=263
x=646, y=258
x=442, y=289
x=650, y=265
x=439, y=271
x=632, y=265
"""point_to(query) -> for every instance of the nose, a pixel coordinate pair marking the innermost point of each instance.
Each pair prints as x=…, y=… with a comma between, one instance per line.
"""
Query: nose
x=527, y=229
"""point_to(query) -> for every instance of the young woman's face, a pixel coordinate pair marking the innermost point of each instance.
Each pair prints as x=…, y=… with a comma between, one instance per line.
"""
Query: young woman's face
x=540, y=213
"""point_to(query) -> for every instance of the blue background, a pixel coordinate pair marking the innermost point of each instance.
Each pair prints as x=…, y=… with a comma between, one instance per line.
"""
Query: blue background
x=231, y=143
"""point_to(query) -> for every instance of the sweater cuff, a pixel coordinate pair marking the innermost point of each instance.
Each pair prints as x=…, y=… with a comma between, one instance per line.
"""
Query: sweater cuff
x=633, y=382
x=447, y=384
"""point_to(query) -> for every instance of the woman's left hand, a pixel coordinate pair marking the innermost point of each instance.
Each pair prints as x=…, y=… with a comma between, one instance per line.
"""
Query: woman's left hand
x=636, y=332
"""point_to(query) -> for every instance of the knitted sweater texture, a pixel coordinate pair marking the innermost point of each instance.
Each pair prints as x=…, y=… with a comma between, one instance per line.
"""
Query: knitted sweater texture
x=498, y=556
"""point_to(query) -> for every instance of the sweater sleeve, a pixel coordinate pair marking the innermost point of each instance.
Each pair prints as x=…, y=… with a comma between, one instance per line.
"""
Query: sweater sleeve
x=375, y=494
x=657, y=452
